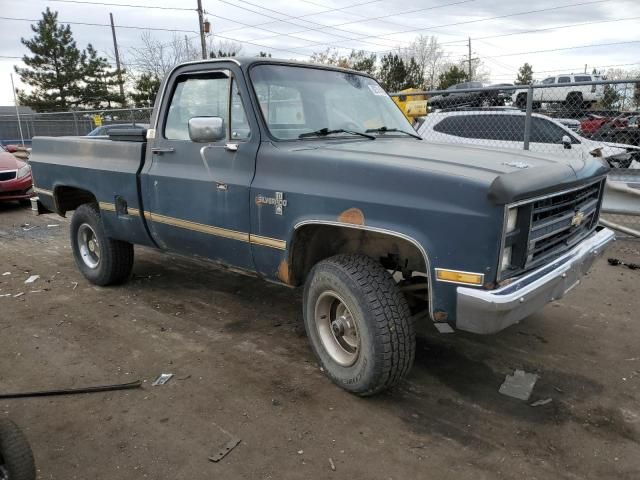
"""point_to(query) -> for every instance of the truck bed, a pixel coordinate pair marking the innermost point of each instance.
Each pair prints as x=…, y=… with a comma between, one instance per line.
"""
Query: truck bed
x=103, y=167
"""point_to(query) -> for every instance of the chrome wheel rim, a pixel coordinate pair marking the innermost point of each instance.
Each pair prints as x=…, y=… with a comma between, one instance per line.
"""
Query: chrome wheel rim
x=337, y=328
x=89, y=246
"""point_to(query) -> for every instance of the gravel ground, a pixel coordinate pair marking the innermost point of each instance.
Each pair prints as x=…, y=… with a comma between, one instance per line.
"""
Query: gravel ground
x=243, y=368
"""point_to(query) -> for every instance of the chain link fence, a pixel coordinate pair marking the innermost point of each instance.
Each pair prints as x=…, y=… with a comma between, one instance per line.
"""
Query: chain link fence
x=567, y=115
x=14, y=129
x=570, y=116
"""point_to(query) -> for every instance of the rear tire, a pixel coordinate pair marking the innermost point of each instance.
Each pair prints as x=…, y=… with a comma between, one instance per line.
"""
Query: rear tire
x=574, y=101
x=102, y=260
x=16, y=457
x=521, y=100
x=358, y=323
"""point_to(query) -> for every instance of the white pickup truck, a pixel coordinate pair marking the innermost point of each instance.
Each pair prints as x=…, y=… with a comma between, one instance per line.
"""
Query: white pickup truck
x=575, y=96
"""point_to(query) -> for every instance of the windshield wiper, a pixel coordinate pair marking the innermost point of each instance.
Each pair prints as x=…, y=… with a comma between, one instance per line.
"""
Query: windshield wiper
x=323, y=132
x=385, y=130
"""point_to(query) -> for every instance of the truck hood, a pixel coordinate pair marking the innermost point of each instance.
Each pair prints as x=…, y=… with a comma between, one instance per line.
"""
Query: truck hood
x=513, y=173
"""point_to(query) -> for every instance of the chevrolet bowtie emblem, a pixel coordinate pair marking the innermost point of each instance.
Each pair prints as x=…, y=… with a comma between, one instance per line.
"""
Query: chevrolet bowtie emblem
x=577, y=219
x=279, y=201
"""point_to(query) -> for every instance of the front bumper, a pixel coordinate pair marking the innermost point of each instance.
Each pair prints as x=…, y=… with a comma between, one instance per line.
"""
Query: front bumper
x=489, y=311
x=17, y=189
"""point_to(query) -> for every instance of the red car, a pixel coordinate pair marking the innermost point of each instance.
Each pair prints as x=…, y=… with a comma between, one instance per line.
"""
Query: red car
x=15, y=178
x=591, y=125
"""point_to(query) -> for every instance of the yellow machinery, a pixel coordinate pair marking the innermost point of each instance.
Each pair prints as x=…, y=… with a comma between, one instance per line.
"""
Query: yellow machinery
x=413, y=106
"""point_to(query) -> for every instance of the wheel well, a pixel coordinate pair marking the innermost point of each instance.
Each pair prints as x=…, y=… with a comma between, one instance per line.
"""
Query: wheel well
x=313, y=243
x=70, y=198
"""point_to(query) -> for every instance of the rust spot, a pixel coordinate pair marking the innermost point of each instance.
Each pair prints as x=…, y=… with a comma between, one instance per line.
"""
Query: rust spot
x=354, y=216
x=440, y=316
x=284, y=274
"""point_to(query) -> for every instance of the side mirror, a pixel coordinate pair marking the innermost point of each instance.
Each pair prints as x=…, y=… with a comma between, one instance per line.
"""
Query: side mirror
x=206, y=129
x=566, y=141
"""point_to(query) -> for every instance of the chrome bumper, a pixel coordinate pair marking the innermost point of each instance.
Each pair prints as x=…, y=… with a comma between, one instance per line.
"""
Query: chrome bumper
x=489, y=311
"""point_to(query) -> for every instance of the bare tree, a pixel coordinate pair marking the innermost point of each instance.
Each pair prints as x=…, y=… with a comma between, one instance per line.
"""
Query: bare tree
x=156, y=58
x=223, y=48
x=428, y=54
x=330, y=56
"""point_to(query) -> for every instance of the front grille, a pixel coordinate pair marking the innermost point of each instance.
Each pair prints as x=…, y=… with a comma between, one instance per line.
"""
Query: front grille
x=4, y=176
x=560, y=221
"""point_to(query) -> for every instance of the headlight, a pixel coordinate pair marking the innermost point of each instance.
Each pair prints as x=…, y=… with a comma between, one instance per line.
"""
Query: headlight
x=24, y=171
x=512, y=218
x=505, y=262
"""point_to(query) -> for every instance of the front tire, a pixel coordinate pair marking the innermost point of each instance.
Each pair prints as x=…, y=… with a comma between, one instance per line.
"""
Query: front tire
x=358, y=323
x=16, y=458
x=102, y=260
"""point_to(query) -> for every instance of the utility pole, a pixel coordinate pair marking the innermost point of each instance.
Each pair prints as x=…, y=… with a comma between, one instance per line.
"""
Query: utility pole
x=115, y=48
x=470, y=59
x=585, y=68
x=201, y=22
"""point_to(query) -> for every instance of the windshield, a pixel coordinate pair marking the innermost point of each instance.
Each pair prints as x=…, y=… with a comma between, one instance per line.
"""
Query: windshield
x=298, y=100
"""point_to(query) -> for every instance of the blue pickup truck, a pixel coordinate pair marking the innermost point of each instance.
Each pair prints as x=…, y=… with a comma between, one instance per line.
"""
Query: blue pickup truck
x=309, y=175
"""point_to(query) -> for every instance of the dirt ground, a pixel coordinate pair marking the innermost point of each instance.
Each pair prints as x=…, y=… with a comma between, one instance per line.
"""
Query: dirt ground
x=243, y=368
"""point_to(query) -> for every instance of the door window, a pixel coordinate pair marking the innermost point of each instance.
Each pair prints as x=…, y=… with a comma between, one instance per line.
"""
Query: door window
x=564, y=80
x=544, y=131
x=549, y=81
x=196, y=96
x=506, y=128
x=240, y=129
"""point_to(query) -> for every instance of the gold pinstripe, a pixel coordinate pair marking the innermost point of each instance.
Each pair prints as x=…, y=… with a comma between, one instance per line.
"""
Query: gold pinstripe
x=202, y=228
x=268, y=242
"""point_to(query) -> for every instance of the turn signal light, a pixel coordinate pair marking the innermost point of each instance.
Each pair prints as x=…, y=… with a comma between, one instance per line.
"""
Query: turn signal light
x=456, y=276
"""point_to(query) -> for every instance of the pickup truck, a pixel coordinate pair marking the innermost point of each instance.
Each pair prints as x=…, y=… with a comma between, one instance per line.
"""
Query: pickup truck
x=310, y=175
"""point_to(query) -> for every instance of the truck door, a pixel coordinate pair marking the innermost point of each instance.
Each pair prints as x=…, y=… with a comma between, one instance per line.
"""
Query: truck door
x=195, y=193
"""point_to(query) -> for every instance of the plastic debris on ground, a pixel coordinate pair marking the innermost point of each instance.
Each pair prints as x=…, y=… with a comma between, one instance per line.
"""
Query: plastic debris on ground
x=443, y=327
x=519, y=385
x=542, y=402
x=32, y=279
x=162, y=379
x=230, y=445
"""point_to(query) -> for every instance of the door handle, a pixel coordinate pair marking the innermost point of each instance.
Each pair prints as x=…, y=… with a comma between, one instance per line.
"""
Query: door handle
x=232, y=147
x=160, y=150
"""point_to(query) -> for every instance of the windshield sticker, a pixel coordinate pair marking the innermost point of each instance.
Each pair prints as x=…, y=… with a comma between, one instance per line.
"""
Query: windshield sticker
x=377, y=90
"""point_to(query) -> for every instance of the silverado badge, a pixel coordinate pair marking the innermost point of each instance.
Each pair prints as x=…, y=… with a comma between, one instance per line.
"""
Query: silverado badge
x=577, y=219
x=279, y=201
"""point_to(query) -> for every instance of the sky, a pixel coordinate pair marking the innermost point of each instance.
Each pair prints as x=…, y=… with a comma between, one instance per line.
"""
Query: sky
x=523, y=31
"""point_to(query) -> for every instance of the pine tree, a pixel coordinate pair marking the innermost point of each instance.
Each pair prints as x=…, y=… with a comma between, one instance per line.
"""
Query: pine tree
x=54, y=71
x=393, y=73
x=451, y=77
x=525, y=75
x=415, y=75
x=100, y=89
x=146, y=89
x=363, y=62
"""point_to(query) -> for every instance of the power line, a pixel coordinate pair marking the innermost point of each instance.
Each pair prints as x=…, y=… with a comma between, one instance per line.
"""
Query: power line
x=565, y=48
x=467, y=22
x=565, y=69
x=285, y=20
x=102, y=25
x=544, y=29
x=369, y=19
x=301, y=17
x=157, y=7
